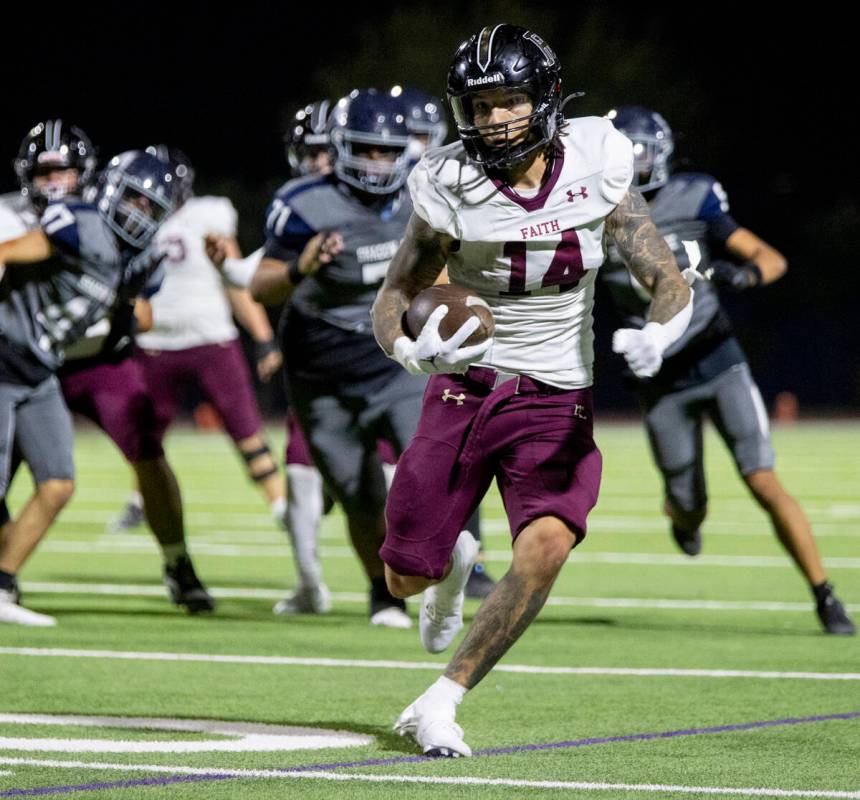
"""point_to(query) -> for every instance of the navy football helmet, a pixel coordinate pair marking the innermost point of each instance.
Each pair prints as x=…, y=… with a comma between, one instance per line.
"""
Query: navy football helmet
x=49, y=146
x=308, y=136
x=181, y=166
x=365, y=122
x=653, y=144
x=505, y=57
x=137, y=191
x=425, y=119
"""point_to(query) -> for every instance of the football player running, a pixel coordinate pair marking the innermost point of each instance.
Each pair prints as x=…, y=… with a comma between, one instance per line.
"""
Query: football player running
x=329, y=241
x=705, y=372
x=60, y=280
x=519, y=210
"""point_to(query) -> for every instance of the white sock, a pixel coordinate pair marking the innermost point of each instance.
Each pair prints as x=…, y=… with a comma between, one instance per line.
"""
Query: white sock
x=279, y=509
x=135, y=499
x=304, y=513
x=448, y=690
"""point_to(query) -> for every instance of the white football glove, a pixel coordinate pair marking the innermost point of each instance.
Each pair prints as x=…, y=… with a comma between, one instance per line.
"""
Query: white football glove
x=643, y=348
x=430, y=353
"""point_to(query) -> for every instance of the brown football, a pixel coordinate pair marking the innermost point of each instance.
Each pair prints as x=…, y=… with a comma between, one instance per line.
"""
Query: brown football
x=462, y=303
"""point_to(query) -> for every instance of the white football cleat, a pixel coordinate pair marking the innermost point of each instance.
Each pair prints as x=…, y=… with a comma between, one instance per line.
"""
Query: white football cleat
x=305, y=600
x=432, y=726
x=14, y=614
x=441, y=616
x=391, y=617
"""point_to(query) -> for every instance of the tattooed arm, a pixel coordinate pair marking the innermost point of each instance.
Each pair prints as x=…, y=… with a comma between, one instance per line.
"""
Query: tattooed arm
x=651, y=261
x=648, y=256
x=417, y=263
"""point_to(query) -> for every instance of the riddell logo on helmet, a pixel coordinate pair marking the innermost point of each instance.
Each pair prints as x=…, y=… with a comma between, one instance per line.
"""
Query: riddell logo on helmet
x=496, y=77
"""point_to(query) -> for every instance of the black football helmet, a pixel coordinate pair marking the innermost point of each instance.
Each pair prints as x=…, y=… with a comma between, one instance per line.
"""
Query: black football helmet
x=506, y=57
x=181, y=166
x=137, y=191
x=653, y=144
x=307, y=136
x=53, y=145
x=365, y=120
x=425, y=119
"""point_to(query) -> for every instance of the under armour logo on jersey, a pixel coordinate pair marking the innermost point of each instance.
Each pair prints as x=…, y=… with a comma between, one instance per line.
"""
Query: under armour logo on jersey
x=579, y=411
x=571, y=195
x=446, y=395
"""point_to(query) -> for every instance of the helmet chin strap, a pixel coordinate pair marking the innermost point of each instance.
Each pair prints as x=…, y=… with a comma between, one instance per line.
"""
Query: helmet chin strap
x=571, y=96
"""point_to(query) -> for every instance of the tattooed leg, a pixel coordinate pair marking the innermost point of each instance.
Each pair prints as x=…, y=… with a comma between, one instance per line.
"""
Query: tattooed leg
x=540, y=551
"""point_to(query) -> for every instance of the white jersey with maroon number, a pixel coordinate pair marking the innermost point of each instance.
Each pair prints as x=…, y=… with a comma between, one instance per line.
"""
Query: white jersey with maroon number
x=533, y=257
x=191, y=307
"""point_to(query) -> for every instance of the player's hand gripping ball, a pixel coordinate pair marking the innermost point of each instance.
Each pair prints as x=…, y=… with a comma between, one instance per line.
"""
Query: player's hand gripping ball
x=462, y=305
x=448, y=328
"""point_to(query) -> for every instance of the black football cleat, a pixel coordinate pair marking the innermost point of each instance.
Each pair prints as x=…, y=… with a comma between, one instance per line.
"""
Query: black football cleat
x=185, y=588
x=834, y=618
x=479, y=584
x=689, y=541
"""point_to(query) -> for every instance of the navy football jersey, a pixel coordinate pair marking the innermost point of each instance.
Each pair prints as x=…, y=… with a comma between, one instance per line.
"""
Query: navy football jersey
x=692, y=213
x=48, y=306
x=327, y=327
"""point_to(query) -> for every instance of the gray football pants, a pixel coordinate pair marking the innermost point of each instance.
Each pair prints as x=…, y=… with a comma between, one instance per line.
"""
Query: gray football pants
x=674, y=425
x=342, y=433
x=37, y=420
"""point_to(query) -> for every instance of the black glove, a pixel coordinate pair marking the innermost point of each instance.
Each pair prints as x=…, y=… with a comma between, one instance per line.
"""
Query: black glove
x=736, y=277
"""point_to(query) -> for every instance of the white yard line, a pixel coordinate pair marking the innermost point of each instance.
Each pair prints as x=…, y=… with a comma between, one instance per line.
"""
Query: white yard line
x=827, y=794
x=106, y=545
x=240, y=593
x=352, y=663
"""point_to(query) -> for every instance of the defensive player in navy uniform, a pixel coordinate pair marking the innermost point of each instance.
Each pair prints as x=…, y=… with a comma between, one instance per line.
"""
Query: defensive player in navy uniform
x=705, y=373
x=98, y=379
x=59, y=281
x=329, y=241
x=520, y=211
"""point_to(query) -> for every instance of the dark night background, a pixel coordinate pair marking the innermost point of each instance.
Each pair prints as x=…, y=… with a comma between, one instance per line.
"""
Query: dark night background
x=762, y=105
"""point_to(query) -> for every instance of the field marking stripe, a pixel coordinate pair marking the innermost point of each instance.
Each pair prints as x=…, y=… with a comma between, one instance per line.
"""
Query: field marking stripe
x=243, y=551
x=292, y=661
x=250, y=593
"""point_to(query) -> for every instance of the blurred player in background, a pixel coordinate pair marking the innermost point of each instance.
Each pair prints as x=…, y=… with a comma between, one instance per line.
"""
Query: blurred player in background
x=518, y=210
x=60, y=280
x=329, y=241
x=193, y=340
x=705, y=373
x=98, y=378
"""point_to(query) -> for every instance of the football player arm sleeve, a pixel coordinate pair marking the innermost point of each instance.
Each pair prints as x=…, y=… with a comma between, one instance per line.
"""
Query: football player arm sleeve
x=651, y=262
x=27, y=249
x=416, y=265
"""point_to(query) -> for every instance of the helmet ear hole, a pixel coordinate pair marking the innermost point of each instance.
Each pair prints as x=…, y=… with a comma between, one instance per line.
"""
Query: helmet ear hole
x=506, y=57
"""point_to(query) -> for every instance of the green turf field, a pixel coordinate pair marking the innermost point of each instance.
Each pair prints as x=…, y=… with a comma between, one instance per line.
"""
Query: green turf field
x=637, y=639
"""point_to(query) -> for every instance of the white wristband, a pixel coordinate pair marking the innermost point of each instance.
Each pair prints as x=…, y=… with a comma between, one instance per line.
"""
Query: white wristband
x=667, y=333
x=239, y=271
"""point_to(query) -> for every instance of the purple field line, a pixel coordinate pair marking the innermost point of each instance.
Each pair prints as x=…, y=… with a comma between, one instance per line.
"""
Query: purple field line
x=382, y=762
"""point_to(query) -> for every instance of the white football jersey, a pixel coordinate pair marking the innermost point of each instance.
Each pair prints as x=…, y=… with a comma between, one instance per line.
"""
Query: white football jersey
x=532, y=256
x=17, y=216
x=191, y=307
